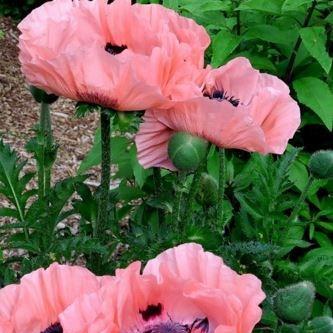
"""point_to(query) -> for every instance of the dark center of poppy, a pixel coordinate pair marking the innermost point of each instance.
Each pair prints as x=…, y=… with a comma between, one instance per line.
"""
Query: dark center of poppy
x=222, y=95
x=151, y=312
x=54, y=328
x=114, y=49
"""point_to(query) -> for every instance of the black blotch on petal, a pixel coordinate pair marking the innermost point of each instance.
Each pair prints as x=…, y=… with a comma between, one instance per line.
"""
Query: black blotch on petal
x=54, y=328
x=151, y=311
x=114, y=49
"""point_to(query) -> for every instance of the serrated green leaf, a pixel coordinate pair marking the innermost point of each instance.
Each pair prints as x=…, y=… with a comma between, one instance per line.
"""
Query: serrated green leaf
x=289, y=5
x=316, y=95
x=224, y=43
x=314, y=40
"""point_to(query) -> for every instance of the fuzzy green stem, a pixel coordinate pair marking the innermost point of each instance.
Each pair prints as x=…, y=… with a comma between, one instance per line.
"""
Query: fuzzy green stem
x=44, y=170
x=178, y=199
x=103, y=211
x=290, y=66
x=157, y=185
x=195, y=185
x=222, y=180
x=300, y=201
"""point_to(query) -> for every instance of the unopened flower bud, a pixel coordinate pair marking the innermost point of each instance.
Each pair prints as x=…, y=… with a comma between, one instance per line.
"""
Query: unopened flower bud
x=293, y=304
x=186, y=151
x=320, y=325
x=321, y=164
x=41, y=96
x=208, y=192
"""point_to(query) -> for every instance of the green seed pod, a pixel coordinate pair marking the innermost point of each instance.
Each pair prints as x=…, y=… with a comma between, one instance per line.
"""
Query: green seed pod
x=320, y=325
x=208, y=192
x=41, y=96
x=289, y=329
x=321, y=164
x=293, y=304
x=186, y=151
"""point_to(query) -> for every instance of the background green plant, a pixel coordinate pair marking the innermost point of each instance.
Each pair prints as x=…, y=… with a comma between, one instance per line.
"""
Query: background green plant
x=149, y=209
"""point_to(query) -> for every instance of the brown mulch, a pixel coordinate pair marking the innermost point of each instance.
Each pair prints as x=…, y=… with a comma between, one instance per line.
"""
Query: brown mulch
x=19, y=112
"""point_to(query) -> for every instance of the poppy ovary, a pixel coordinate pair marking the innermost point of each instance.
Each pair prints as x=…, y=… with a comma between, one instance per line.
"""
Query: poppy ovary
x=186, y=151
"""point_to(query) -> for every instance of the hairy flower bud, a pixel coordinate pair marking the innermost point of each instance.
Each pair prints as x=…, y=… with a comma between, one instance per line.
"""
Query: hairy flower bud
x=41, y=96
x=320, y=325
x=321, y=164
x=208, y=192
x=293, y=304
x=186, y=151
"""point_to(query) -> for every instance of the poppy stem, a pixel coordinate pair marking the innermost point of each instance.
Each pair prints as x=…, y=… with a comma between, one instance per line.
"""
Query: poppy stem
x=290, y=66
x=103, y=208
x=221, y=190
x=180, y=185
x=300, y=201
x=44, y=174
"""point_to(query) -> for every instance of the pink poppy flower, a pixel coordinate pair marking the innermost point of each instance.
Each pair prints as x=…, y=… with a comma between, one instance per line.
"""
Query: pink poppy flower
x=182, y=290
x=33, y=306
x=110, y=54
x=240, y=108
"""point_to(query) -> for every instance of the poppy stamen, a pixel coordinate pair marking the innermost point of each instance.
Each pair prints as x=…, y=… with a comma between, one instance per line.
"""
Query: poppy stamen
x=222, y=95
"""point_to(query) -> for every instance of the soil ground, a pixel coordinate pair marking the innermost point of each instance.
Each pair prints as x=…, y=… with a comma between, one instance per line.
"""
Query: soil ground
x=19, y=113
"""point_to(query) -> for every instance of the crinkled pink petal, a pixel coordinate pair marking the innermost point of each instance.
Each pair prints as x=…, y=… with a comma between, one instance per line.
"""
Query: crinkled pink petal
x=237, y=79
x=91, y=51
x=218, y=122
x=35, y=304
x=279, y=117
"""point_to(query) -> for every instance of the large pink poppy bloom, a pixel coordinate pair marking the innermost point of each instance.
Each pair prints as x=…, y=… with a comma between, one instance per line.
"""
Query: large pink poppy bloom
x=33, y=306
x=240, y=108
x=183, y=290
x=112, y=55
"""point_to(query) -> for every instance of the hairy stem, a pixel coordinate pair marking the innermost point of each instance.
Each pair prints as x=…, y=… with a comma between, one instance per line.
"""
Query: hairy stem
x=178, y=199
x=290, y=66
x=103, y=209
x=222, y=176
x=193, y=193
x=300, y=201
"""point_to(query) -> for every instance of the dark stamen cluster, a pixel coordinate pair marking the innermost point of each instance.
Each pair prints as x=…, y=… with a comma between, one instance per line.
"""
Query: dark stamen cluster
x=55, y=328
x=222, y=95
x=114, y=49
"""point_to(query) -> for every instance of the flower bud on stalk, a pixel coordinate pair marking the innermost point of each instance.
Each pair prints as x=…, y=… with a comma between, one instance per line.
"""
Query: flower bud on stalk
x=321, y=164
x=293, y=304
x=41, y=96
x=186, y=151
x=320, y=325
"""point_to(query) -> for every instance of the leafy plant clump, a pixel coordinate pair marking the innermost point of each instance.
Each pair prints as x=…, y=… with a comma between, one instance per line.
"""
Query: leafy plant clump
x=275, y=218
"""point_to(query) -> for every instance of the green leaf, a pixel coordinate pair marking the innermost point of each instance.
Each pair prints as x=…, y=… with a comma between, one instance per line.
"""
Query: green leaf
x=271, y=6
x=289, y=5
x=314, y=40
x=268, y=33
x=12, y=186
x=316, y=95
x=140, y=174
x=224, y=43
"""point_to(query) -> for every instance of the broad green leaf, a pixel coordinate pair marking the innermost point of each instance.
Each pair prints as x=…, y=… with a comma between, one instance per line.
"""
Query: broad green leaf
x=224, y=43
x=316, y=95
x=271, y=6
x=314, y=39
x=140, y=174
x=173, y=4
x=196, y=7
x=289, y=5
x=268, y=33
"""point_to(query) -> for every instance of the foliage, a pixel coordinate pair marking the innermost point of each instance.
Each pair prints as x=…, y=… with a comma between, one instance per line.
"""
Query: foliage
x=266, y=229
